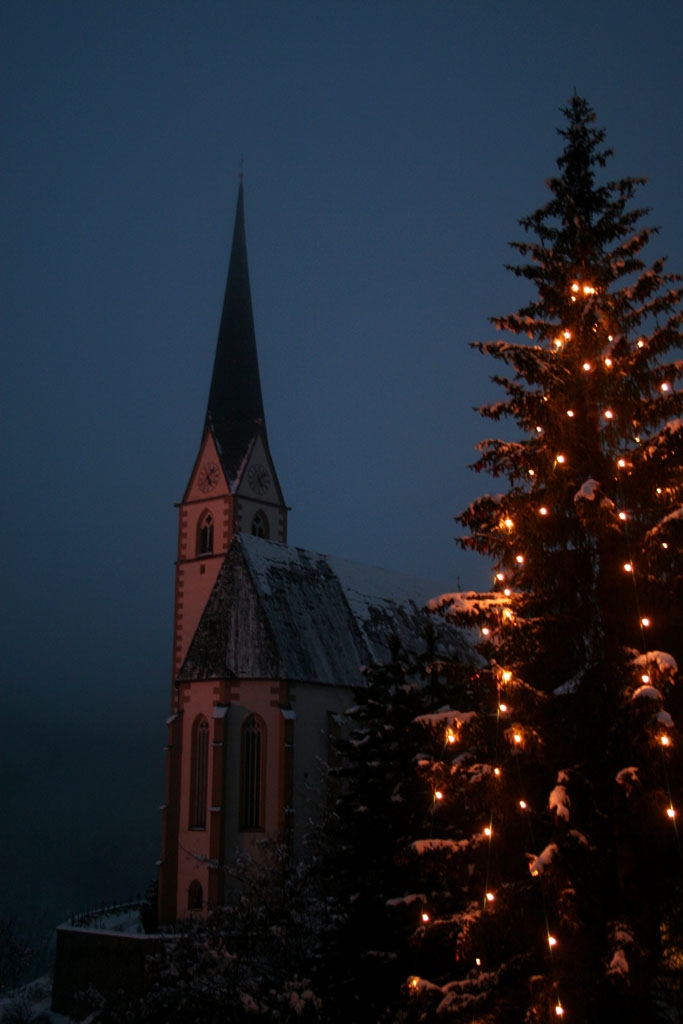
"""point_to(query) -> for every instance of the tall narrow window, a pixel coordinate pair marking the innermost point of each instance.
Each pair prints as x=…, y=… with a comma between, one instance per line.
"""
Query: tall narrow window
x=200, y=772
x=195, y=896
x=252, y=773
x=259, y=526
x=205, y=535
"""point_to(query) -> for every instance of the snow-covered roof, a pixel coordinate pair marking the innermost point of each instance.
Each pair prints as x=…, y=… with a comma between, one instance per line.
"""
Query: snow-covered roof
x=279, y=612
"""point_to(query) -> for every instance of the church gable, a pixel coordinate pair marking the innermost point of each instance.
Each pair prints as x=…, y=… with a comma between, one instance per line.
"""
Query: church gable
x=207, y=479
x=233, y=638
x=257, y=479
x=260, y=508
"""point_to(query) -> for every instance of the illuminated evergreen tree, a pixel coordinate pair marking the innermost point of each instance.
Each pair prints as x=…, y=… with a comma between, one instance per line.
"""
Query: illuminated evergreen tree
x=565, y=783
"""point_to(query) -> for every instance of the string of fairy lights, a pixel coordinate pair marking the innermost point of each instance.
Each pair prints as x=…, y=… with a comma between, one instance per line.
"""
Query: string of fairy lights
x=515, y=733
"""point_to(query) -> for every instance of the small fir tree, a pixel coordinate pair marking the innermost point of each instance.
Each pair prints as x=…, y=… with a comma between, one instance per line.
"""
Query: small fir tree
x=388, y=803
x=567, y=781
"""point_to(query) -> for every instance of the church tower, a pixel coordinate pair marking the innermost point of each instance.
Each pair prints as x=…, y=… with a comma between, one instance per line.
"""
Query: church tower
x=233, y=488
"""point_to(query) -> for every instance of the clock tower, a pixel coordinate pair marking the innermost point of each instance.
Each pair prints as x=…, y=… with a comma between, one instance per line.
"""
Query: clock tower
x=233, y=487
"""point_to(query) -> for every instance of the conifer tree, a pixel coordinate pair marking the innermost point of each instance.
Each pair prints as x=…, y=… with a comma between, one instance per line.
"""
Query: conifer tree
x=386, y=798
x=565, y=784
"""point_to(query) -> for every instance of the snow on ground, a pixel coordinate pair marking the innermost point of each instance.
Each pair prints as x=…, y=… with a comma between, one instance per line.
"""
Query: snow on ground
x=30, y=1004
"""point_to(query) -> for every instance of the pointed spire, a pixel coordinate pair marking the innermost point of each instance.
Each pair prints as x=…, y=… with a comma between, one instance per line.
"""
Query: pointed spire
x=234, y=412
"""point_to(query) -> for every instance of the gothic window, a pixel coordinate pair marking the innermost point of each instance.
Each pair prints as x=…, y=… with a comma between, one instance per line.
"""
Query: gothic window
x=259, y=526
x=205, y=535
x=195, y=896
x=252, y=773
x=200, y=771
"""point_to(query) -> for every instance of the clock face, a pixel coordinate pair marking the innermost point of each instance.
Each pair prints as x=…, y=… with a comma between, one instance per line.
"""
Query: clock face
x=259, y=478
x=208, y=477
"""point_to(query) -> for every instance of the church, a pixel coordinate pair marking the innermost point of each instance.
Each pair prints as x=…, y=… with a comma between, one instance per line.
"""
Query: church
x=268, y=640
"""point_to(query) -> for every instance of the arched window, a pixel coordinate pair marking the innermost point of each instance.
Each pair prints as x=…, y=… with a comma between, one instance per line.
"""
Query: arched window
x=252, y=773
x=195, y=896
x=200, y=772
x=205, y=534
x=259, y=526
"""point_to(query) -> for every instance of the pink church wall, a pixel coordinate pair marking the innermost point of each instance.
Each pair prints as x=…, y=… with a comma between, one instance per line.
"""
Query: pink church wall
x=197, y=846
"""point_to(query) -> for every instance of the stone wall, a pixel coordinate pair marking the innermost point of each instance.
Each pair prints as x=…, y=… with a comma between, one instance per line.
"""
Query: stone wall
x=91, y=961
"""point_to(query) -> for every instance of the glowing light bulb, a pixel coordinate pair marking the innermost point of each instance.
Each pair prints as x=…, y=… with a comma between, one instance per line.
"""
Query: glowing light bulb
x=496, y=772
x=485, y=631
x=609, y=415
x=623, y=516
x=488, y=831
x=559, y=1011
x=519, y=559
x=552, y=941
x=539, y=430
x=576, y=286
x=665, y=545
x=570, y=413
x=508, y=523
x=628, y=567
x=502, y=708
x=450, y=736
x=665, y=740
x=413, y=984
x=588, y=289
x=500, y=576
x=566, y=335
x=558, y=342
x=670, y=812
x=522, y=804
x=561, y=459
x=586, y=366
x=645, y=621
x=438, y=795
x=425, y=916
x=543, y=510
x=532, y=472
x=517, y=737
x=608, y=363
x=490, y=897
x=659, y=490
x=641, y=343
x=665, y=386
x=621, y=463
x=507, y=675
x=507, y=614
x=477, y=961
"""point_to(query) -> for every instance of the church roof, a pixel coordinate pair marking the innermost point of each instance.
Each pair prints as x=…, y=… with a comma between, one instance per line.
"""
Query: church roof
x=279, y=612
x=234, y=412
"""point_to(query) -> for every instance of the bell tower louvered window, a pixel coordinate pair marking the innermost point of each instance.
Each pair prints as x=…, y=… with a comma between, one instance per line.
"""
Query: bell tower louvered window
x=205, y=535
x=259, y=526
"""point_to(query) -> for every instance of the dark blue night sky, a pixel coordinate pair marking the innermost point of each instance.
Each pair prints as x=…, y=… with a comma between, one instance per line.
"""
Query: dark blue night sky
x=389, y=149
